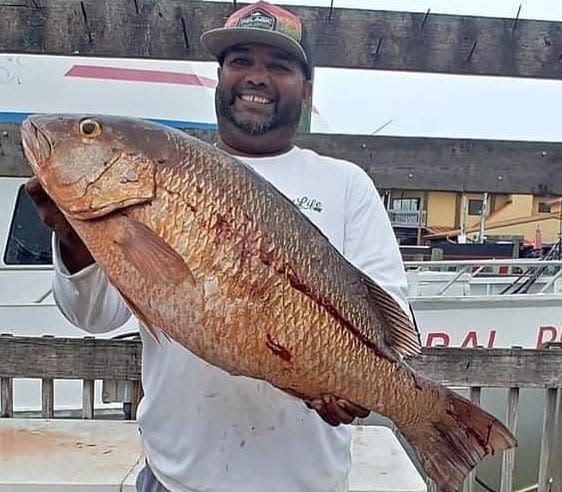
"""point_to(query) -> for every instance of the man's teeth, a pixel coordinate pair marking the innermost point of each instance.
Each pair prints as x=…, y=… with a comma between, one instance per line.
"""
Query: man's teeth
x=256, y=99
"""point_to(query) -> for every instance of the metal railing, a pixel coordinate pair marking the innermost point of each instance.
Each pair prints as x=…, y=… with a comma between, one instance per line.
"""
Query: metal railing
x=514, y=271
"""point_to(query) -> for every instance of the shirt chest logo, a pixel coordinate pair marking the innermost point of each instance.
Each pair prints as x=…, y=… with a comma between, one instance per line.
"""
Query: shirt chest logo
x=309, y=203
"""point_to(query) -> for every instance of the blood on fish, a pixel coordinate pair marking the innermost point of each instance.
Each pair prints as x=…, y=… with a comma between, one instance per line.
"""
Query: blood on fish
x=246, y=247
x=266, y=254
x=278, y=349
x=222, y=227
x=221, y=224
x=322, y=301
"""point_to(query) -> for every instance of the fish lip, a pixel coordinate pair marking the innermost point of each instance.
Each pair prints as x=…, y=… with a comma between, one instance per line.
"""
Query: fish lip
x=36, y=146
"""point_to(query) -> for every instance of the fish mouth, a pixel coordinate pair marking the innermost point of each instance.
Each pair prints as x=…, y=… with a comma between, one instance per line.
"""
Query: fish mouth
x=36, y=146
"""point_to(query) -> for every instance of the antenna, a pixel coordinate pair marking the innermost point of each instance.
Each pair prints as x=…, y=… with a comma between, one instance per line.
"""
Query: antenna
x=383, y=126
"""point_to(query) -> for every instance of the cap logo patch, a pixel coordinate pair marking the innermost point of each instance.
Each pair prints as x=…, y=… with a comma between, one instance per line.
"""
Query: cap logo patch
x=257, y=19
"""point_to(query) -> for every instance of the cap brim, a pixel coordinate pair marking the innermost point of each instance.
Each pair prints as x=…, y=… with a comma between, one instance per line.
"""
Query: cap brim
x=217, y=41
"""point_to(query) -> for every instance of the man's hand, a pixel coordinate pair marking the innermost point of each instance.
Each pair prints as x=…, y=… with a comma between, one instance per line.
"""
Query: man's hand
x=336, y=411
x=74, y=253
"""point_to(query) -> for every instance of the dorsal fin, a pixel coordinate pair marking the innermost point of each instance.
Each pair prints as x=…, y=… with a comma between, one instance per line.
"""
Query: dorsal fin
x=402, y=336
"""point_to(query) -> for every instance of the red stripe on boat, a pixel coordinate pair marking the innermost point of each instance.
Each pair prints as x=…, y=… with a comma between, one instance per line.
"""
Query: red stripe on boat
x=136, y=75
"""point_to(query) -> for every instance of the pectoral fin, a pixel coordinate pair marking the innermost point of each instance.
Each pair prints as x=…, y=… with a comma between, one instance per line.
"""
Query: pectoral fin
x=150, y=254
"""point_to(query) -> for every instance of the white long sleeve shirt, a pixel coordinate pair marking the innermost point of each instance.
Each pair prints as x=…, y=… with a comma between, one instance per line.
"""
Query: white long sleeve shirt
x=204, y=430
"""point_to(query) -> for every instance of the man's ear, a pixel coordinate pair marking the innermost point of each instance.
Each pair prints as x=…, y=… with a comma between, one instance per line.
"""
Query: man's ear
x=307, y=89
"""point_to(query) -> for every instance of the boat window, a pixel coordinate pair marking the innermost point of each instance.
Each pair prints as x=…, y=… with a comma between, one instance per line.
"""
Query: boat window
x=475, y=207
x=29, y=242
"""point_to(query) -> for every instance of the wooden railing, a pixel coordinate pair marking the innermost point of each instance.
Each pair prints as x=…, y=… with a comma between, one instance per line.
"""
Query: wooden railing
x=513, y=369
x=48, y=358
x=89, y=359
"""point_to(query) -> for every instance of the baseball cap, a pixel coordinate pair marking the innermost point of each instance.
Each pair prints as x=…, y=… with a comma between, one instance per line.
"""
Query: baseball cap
x=262, y=23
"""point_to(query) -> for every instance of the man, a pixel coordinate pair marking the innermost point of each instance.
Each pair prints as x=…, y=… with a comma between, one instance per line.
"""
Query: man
x=202, y=429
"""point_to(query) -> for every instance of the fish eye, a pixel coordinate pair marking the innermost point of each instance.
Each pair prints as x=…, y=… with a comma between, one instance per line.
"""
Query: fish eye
x=90, y=128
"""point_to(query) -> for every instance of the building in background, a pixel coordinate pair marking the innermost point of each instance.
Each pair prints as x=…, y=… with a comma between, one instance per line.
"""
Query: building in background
x=423, y=217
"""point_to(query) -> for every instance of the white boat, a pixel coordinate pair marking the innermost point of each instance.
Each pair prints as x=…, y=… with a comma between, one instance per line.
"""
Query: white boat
x=489, y=303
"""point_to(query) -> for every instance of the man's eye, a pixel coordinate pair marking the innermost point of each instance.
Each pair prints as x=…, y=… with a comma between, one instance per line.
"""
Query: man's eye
x=281, y=68
x=240, y=61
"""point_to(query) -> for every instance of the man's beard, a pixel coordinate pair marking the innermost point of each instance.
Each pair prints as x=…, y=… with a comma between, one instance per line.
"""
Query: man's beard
x=225, y=108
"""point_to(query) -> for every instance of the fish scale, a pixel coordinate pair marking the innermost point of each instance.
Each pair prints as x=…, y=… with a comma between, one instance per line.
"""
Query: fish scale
x=206, y=252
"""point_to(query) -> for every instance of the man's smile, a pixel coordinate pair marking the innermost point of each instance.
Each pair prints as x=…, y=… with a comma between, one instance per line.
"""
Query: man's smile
x=260, y=99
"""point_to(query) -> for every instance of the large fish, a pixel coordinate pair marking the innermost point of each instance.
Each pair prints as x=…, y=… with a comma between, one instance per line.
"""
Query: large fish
x=212, y=255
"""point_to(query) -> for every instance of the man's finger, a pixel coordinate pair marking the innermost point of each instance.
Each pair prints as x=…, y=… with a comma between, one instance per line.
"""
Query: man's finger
x=337, y=411
x=321, y=410
x=353, y=409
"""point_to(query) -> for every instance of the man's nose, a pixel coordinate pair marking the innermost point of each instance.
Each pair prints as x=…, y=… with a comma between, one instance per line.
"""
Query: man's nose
x=258, y=75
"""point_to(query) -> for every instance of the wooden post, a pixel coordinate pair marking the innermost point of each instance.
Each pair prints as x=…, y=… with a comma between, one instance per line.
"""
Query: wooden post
x=470, y=482
x=547, y=441
x=6, y=392
x=508, y=461
x=6, y=397
x=556, y=461
x=47, y=398
x=47, y=393
x=88, y=392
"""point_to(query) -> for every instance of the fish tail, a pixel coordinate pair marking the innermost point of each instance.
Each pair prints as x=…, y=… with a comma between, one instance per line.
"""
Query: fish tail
x=456, y=440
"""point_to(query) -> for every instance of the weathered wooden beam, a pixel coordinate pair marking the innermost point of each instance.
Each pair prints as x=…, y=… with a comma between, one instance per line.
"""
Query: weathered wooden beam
x=523, y=368
x=350, y=38
x=83, y=358
x=69, y=358
x=408, y=163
